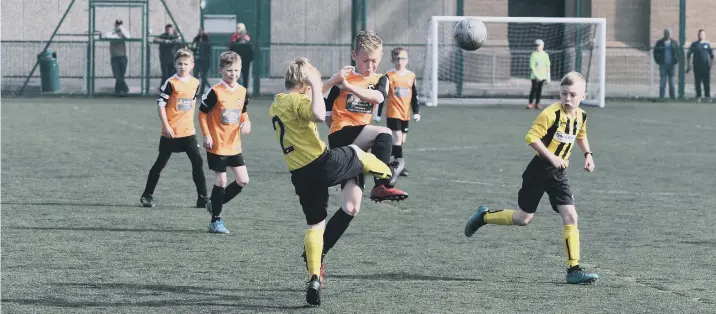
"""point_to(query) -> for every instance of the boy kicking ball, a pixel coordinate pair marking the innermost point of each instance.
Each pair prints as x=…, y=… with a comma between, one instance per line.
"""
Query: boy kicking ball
x=552, y=136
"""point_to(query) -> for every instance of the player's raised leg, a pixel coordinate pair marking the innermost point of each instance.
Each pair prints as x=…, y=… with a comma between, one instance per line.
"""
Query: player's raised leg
x=398, y=148
x=379, y=140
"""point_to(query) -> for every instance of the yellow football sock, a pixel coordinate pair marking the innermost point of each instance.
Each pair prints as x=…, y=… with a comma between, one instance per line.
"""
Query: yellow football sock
x=314, y=248
x=570, y=238
x=375, y=167
x=502, y=217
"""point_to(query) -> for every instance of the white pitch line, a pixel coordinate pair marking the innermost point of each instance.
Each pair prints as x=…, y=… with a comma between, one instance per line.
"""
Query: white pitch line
x=600, y=191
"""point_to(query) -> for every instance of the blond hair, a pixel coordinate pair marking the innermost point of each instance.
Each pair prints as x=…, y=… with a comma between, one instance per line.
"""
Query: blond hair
x=183, y=53
x=571, y=78
x=228, y=58
x=368, y=41
x=298, y=72
x=396, y=52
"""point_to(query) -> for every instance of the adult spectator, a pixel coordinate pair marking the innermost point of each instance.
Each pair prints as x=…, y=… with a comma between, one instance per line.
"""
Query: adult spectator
x=703, y=59
x=202, y=55
x=169, y=43
x=666, y=54
x=118, y=54
x=241, y=44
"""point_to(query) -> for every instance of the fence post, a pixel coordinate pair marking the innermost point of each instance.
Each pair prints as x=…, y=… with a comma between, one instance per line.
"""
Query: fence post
x=651, y=74
x=682, y=39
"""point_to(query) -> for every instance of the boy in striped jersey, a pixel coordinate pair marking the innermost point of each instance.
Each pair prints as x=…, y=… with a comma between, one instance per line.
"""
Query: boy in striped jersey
x=402, y=97
x=176, y=112
x=552, y=135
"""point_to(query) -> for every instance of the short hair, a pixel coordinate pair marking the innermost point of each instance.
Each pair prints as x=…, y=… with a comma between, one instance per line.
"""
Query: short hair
x=539, y=42
x=701, y=30
x=368, y=41
x=168, y=26
x=228, y=58
x=183, y=53
x=396, y=52
x=298, y=72
x=571, y=78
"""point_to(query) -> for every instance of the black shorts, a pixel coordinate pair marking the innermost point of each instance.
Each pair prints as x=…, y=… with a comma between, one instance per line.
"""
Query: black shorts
x=178, y=145
x=344, y=137
x=313, y=180
x=398, y=125
x=540, y=177
x=219, y=163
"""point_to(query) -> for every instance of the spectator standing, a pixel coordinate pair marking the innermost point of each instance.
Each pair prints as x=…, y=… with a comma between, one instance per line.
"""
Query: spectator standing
x=118, y=54
x=241, y=44
x=667, y=53
x=703, y=59
x=169, y=43
x=202, y=53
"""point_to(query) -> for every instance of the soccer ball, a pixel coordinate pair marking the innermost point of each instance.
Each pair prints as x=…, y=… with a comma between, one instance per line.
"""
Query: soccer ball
x=470, y=34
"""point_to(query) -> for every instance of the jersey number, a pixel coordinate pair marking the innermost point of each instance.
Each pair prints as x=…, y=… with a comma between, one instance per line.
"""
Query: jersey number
x=274, y=121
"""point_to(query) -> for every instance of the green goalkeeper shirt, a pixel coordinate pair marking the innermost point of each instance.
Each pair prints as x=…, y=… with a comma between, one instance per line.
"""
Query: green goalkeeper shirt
x=539, y=65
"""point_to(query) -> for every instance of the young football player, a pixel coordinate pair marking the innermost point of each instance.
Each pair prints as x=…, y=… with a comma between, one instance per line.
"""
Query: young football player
x=223, y=119
x=176, y=113
x=314, y=168
x=350, y=106
x=402, y=97
x=552, y=135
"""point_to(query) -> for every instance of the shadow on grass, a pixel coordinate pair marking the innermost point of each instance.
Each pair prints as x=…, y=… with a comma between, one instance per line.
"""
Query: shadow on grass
x=103, y=229
x=403, y=276
x=172, y=296
x=68, y=204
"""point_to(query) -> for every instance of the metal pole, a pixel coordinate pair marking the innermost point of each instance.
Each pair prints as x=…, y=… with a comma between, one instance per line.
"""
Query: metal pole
x=577, y=38
x=682, y=40
x=169, y=12
x=29, y=76
x=459, y=53
x=354, y=26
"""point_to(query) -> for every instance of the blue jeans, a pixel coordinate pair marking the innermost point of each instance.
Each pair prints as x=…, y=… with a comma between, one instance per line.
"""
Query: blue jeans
x=119, y=69
x=666, y=72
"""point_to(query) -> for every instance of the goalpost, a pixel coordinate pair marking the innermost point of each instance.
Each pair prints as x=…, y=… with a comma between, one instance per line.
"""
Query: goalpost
x=499, y=73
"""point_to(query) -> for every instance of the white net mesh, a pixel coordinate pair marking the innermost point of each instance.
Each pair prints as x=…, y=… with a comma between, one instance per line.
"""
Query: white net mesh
x=500, y=69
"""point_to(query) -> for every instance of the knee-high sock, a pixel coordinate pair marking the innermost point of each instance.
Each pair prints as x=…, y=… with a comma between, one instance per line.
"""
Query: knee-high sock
x=375, y=167
x=217, y=202
x=570, y=239
x=382, y=148
x=313, y=242
x=231, y=191
x=502, y=217
x=335, y=228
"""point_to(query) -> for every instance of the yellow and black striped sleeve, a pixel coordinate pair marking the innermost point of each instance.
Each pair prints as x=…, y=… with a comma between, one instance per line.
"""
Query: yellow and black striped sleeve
x=541, y=126
x=582, y=134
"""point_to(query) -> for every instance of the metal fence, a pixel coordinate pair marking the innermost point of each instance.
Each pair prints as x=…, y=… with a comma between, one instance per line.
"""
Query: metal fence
x=631, y=72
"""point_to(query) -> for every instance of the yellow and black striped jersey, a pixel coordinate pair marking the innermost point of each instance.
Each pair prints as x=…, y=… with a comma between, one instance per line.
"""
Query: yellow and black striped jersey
x=557, y=130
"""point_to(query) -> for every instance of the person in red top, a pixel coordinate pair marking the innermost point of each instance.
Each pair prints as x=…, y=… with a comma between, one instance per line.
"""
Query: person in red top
x=176, y=111
x=241, y=44
x=223, y=118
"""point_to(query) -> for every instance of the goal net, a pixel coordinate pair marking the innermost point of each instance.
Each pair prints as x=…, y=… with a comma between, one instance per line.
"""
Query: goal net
x=499, y=72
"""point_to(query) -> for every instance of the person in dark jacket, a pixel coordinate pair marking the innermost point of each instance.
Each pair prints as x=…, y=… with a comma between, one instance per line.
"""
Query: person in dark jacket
x=667, y=54
x=241, y=44
x=703, y=60
x=202, y=53
x=168, y=44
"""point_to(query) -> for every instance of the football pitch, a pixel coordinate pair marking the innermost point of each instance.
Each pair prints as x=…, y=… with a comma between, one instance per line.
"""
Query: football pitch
x=75, y=239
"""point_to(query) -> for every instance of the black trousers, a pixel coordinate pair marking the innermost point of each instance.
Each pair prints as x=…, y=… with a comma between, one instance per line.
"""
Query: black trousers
x=702, y=77
x=536, y=91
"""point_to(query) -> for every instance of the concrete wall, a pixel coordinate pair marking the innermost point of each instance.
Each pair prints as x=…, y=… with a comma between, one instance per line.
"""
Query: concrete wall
x=36, y=19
